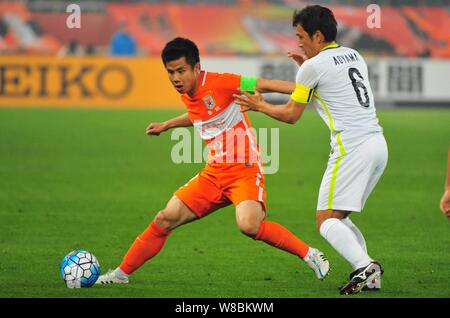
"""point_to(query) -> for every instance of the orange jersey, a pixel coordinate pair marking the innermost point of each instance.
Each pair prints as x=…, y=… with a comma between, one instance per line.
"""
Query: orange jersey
x=219, y=120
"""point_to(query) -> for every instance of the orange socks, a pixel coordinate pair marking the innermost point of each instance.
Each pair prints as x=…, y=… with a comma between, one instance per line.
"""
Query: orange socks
x=278, y=236
x=151, y=241
x=146, y=246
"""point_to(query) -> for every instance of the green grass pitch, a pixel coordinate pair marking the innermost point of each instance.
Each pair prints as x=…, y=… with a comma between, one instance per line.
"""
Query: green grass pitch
x=92, y=179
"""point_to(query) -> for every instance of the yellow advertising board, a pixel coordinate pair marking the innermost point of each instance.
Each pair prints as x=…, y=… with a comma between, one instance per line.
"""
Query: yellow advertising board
x=85, y=82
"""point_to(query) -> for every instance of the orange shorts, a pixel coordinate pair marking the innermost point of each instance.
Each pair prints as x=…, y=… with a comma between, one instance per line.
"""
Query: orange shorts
x=219, y=185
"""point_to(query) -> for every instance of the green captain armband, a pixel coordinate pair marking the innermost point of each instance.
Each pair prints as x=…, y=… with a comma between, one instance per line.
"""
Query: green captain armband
x=248, y=84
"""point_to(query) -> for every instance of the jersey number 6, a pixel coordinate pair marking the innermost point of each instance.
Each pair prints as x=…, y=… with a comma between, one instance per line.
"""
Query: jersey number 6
x=357, y=84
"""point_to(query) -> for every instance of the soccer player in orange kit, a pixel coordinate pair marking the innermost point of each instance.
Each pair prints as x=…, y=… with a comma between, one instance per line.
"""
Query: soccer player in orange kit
x=233, y=173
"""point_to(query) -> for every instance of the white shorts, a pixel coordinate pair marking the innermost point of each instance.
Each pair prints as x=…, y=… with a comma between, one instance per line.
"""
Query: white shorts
x=350, y=179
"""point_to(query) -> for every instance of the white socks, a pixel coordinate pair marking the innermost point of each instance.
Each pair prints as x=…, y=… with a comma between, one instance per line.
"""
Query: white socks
x=376, y=283
x=356, y=231
x=345, y=242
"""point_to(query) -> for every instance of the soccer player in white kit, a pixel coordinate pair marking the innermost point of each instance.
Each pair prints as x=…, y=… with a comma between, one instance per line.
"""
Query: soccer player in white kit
x=334, y=79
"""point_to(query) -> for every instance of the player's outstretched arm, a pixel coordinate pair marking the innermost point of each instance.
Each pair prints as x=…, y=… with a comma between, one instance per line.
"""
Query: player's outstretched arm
x=277, y=86
x=445, y=200
x=154, y=129
x=274, y=86
x=289, y=113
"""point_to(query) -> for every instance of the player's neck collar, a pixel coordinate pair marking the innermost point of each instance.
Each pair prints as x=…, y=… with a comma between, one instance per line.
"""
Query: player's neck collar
x=199, y=84
x=330, y=46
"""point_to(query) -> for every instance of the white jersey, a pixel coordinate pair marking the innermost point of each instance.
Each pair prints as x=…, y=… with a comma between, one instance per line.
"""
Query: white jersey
x=336, y=82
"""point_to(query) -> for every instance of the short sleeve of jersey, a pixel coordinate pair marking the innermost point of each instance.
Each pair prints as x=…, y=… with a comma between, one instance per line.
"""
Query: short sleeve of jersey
x=306, y=82
x=228, y=81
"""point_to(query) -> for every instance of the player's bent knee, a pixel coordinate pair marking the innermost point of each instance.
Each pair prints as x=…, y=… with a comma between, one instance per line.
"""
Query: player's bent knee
x=249, y=228
x=249, y=215
x=176, y=213
x=322, y=216
x=163, y=222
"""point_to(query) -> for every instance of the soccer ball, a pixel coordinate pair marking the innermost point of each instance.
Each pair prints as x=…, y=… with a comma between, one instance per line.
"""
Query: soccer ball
x=79, y=268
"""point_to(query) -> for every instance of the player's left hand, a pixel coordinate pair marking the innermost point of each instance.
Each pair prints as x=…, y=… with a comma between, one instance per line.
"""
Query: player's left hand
x=249, y=101
x=445, y=203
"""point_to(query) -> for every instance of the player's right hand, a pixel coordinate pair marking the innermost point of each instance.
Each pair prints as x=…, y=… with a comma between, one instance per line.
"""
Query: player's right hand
x=298, y=57
x=154, y=129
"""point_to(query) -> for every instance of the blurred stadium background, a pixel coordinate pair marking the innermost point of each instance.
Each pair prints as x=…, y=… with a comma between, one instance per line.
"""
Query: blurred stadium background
x=408, y=56
x=75, y=173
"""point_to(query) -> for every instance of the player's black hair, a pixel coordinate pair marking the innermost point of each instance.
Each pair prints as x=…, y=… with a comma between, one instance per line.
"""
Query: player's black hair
x=178, y=48
x=313, y=18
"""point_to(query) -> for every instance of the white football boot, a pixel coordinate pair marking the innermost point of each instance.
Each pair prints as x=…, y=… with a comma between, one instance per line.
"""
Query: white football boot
x=318, y=262
x=374, y=285
x=361, y=276
x=112, y=277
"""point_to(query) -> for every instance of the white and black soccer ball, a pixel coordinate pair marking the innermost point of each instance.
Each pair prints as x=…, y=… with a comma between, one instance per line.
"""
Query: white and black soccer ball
x=79, y=268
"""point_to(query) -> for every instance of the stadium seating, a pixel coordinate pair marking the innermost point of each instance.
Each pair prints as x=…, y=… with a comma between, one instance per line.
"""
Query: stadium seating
x=225, y=27
x=20, y=32
x=394, y=30
x=436, y=24
x=216, y=29
x=95, y=27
